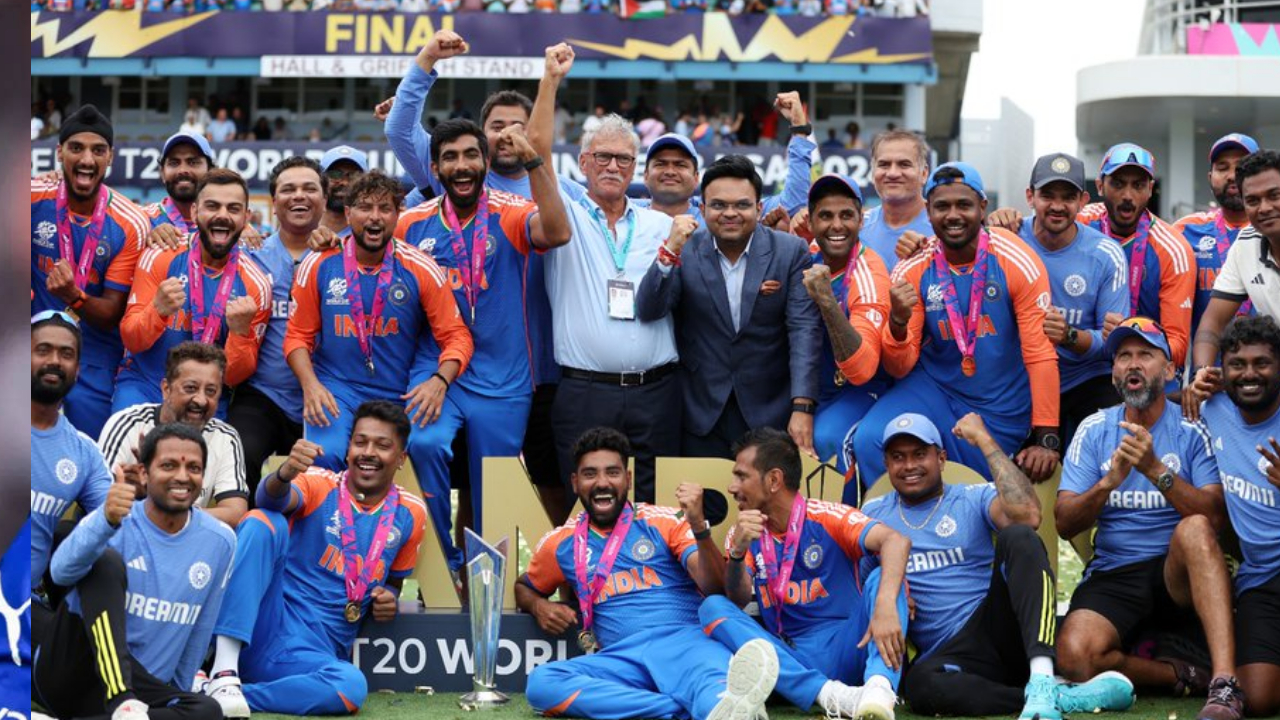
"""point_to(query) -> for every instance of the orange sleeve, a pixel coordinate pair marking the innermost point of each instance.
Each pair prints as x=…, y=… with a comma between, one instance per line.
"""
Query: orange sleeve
x=313, y=487
x=445, y=320
x=304, y=321
x=899, y=357
x=848, y=529
x=1028, y=284
x=545, y=574
x=133, y=221
x=514, y=220
x=868, y=304
x=407, y=558
x=242, y=350
x=677, y=533
x=142, y=324
x=1177, y=288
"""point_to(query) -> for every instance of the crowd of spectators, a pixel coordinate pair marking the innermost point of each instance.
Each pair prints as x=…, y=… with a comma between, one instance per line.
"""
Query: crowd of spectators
x=810, y=8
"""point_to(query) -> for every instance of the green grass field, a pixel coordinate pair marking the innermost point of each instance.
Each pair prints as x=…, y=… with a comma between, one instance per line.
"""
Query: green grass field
x=445, y=707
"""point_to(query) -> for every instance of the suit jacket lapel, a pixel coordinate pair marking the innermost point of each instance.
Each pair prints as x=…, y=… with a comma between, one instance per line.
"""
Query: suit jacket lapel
x=757, y=263
x=714, y=277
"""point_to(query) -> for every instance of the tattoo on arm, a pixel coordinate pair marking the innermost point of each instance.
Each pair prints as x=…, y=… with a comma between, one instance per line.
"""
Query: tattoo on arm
x=845, y=339
x=1011, y=483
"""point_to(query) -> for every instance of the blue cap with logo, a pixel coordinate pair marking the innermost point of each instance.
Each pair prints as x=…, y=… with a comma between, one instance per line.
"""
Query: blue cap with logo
x=1128, y=155
x=673, y=140
x=1233, y=141
x=915, y=425
x=968, y=176
x=833, y=179
x=345, y=152
x=181, y=138
x=1140, y=327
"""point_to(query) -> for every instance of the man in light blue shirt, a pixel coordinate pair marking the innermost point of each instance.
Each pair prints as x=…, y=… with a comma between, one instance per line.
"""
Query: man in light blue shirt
x=899, y=167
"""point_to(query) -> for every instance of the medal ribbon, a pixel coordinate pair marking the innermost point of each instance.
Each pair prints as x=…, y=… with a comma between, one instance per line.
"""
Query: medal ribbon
x=357, y=581
x=355, y=298
x=964, y=332
x=175, y=216
x=473, y=273
x=1223, y=235
x=1137, y=258
x=93, y=234
x=778, y=574
x=205, y=327
x=588, y=593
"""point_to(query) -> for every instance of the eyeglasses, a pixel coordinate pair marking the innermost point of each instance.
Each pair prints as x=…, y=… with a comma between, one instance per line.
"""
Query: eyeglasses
x=46, y=315
x=603, y=159
x=719, y=206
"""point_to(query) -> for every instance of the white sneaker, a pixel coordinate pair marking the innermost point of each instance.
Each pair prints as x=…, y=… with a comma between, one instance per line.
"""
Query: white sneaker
x=200, y=683
x=133, y=709
x=877, y=702
x=37, y=715
x=225, y=688
x=839, y=700
x=753, y=671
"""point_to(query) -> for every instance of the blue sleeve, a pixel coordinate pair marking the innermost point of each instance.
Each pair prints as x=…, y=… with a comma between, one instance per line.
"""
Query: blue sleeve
x=804, y=329
x=408, y=139
x=198, y=642
x=275, y=504
x=414, y=198
x=1204, y=467
x=1113, y=278
x=1080, y=468
x=659, y=292
x=795, y=193
x=82, y=548
x=94, y=491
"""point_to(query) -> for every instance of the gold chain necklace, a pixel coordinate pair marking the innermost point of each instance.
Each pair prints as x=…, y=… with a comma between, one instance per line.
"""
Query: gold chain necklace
x=922, y=525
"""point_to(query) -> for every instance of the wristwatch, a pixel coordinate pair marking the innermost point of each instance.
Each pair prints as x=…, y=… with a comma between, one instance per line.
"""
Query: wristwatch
x=1050, y=441
x=1072, y=336
x=807, y=406
x=1164, y=481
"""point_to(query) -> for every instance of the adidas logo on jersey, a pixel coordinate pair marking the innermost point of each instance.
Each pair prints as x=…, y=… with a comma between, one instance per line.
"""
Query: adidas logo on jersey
x=139, y=563
x=1258, y=280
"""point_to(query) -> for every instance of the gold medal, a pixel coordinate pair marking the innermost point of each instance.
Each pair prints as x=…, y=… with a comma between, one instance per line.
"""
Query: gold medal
x=840, y=378
x=587, y=641
x=352, y=612
x=969, y=366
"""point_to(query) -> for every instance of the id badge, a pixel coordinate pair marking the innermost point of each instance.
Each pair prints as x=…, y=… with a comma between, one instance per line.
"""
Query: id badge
x=622, y=300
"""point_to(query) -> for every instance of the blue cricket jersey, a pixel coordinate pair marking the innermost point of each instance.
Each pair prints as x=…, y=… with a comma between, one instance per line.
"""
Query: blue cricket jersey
x=66, y=467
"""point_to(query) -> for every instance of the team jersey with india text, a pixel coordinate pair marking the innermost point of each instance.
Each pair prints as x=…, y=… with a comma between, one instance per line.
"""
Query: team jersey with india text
x=1201, y=232
x=952, y=551
x=158, y=214
x=824, y=579
x=1137, y=521
x=1087, y=279
x=123, y=232
x=865, y=301
x=882, y=238
x=314, y=586
x=418, y=301
x=649, y=587
x=223, y=470
x=1168, y=276
x=1253, y=503
x=273, y=377
x=501, y=364
x=149, y=336
x=174, y=589
x=1017, y=366
x=66, y=467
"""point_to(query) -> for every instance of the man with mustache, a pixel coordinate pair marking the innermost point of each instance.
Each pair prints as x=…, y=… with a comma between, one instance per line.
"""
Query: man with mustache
x=363, y=311
x=341, y=165
x=1147, y=478
x=153, y=571
x=321, y=552
x=638, y=572
x=1245, y=425
x=85, y=243
x=191, y=389
x=482, y=239
x=1088, y=278
x=849, y=284
x=205, y=291
x=966, y=334
x=1212, y=232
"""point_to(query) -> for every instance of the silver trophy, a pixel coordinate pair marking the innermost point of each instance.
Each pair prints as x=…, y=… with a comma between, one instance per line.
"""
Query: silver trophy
x=486, y=570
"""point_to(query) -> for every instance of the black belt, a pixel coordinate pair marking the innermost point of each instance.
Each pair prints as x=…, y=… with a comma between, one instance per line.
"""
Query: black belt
x=626, y=379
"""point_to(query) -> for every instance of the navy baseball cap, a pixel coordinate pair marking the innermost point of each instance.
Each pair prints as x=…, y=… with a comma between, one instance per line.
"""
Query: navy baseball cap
x=1140, y=327
x=834, y=179
x=1234, y=140
x=344, y=152
x=673, y=140
x=1128, y=155
x=1058, y=167
x=190, y=139
x=915, y=425
x=969, y=177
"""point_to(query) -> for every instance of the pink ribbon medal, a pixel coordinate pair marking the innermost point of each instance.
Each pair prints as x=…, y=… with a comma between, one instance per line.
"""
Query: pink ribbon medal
x=965, y=331
x=778, y=574
x=470, y=265
x=358, y=576
x=588, y=592
x=205, y=326
x=92, y=236
x=355, y=298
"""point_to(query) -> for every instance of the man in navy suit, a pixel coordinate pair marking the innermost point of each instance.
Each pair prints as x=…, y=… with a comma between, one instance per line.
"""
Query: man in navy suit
x=748, y=335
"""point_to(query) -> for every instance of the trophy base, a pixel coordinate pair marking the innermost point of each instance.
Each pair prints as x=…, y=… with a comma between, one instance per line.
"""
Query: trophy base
x=482, y=699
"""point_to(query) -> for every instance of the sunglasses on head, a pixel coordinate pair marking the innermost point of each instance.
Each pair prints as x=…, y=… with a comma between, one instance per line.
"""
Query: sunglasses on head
x=62, y=315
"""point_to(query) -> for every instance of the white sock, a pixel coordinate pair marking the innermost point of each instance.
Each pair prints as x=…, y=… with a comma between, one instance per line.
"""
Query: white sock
x=226, y=654
x=1042, y=665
